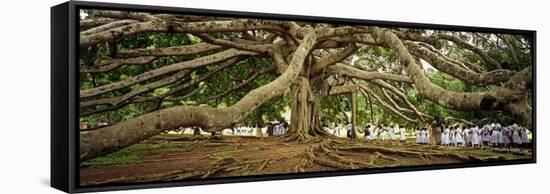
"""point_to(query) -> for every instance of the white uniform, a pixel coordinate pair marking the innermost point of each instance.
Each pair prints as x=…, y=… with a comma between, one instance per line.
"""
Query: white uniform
x=515, y=134
x=524, y=138
x=402, y=136
x=423, y=136
x=506, y=135
x=467, y=136
x=475, y=135
x=418, y=138
x=452, y=137
x=369, y=137
x=494, y=136
x=391, y=134
x=458, y=136
x=486, y=136
x=500, y=139
x=485, y=133
x=445, y=137
x=380, y=134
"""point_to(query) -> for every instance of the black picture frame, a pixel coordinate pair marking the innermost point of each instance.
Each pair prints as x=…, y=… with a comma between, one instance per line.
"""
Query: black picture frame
x=65, y=92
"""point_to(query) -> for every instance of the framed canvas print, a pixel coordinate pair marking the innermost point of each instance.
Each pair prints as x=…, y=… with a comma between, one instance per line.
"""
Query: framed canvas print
x=148, y=96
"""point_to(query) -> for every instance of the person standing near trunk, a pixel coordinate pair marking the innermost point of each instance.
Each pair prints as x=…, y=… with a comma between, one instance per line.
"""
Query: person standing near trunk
x=402, y=136
x=368, y=133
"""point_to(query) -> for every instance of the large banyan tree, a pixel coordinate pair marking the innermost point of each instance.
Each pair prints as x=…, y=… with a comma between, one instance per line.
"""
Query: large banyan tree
x=230, y=67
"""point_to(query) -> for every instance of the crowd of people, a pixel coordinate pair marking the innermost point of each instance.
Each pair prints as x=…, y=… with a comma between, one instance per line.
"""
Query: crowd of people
x=509, y=137
x=277, y=128
x=423, y=136
x=503, y=137
x=382, y=133
x=273, y=129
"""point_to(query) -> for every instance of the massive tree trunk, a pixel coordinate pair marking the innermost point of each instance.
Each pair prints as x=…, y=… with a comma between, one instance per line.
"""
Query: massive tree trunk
x=304, y=121
x=301, y=110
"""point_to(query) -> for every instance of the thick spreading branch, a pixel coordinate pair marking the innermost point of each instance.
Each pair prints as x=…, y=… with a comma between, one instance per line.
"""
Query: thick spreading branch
x=108, y=26
x=115, y=101
x=367, y=94
x=113, y=64
x=197, y=62
x=195, y=81
x=242, y=46
x=466, y=45
x=180, y=27
x=169, y=51
x=129, y=132
x=239, y=85
x=459, y=42
x=344, y=69
x=122, y=15
x=334, y=58
x=451, y=68
x=401, y=96
x=496, y=99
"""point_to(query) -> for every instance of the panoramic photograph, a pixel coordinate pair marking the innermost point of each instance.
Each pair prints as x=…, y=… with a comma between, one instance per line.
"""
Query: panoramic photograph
x=177, y=97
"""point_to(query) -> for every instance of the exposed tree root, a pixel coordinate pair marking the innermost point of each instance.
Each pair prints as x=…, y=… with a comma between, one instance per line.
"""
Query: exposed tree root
x=300, y=137
x=331, y=164
x=222, y=165
x=264, y=164
x=167, y=176
x=386, y=157
x=332, y=152
x=326, y=153
x=309, y=158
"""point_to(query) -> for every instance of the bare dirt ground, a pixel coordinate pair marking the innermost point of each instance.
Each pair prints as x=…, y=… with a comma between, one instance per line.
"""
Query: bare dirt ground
x=170, y=157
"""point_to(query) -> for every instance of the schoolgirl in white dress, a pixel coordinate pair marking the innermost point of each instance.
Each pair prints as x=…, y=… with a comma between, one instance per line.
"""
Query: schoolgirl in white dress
x=369, y=135
x=467, y=137
x=446, y=136
x=402, y=137
x=516, y=139
x=485, y=136
x=423, y=136
x=494, y=138
x=524, y=138
x=391, y=133
x=500, y=138
x=380, y=133
x=452, y=137
x=506, y=137
x=458, y=137
x=426, y=137
x=418, y=139
x=475, y=136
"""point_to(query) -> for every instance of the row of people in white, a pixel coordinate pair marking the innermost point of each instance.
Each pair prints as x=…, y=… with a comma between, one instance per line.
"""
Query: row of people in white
x=385, y=133
x=279, y=129
x=422, y=136
x=494, y=133
x=244, y=129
